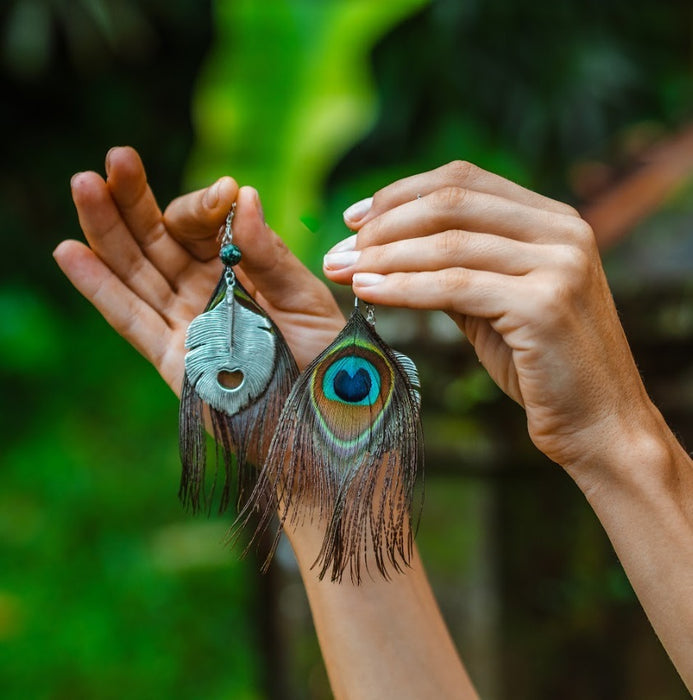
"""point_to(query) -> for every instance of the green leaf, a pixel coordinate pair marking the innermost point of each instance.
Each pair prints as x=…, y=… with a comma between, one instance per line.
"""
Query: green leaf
x=286, y=91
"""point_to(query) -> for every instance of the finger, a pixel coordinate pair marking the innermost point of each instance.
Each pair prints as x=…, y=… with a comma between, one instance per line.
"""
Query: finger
x=469, y=292
x=110, y=238
x=476, y=251
x=275, y=272
x=129, y=315
x=455, y=208
x=488, y=343
x=458, y=174
x=194, y=219
x=127, y=182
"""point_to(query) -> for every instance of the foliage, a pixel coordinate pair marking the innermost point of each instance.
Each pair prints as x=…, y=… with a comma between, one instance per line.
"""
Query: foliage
x=522, y=89
x=101, y=593
x=98, y=591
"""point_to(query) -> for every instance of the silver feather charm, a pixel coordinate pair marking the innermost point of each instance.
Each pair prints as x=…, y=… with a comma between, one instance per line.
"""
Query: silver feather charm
x=245, y=348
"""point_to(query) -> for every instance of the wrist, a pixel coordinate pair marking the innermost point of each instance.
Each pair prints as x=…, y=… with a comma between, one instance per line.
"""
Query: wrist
x=633, y=453
x=640, y=488
x=305, y=540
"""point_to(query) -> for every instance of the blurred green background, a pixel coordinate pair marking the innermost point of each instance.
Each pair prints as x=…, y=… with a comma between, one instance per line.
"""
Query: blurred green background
x=107, y=588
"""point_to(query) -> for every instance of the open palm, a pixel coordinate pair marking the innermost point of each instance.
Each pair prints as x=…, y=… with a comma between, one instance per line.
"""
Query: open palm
x=150, y=274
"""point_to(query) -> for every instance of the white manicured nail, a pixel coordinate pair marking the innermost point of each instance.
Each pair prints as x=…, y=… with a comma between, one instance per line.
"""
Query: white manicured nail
x=367, y=279
x=346, y=244
x=341, y=259
x=359, y=210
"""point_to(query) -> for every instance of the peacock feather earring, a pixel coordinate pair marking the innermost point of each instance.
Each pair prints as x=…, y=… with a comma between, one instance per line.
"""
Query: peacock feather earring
x=238, y=373
x=347, y=449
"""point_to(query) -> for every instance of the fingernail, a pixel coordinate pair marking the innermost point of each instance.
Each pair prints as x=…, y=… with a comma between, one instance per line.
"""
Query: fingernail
x=357, y=211
x=211, y=196
x=346, y=244
x=108, y=157
x=367, y=279
x=258, y=204
x=340, y=260
x=74, y=180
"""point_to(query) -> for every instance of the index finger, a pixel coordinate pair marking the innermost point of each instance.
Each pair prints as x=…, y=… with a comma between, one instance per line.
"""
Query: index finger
x=459, y=174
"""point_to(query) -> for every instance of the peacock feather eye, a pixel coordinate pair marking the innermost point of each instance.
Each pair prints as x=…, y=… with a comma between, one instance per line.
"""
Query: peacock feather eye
x=352, y=380
x=350, y=391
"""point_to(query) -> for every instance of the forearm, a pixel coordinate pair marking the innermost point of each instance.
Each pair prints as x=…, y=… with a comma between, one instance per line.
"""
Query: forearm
x=641, y=488
x=381, y=638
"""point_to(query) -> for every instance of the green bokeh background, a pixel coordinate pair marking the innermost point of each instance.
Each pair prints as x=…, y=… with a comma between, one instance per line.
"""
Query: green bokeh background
x=107, y=588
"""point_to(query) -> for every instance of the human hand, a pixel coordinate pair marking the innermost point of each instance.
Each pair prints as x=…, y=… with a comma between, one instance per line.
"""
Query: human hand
x=521, y=276
x=150, y=274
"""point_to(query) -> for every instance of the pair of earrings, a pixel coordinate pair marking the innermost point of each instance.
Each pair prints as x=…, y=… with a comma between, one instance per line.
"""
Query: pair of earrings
x=340, y=442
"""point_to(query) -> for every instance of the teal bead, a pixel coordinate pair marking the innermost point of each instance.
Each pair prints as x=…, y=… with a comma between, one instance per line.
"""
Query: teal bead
x=230, y=255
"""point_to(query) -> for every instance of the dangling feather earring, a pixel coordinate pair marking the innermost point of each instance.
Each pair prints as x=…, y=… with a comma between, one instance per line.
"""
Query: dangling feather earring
x=347, y=448
x=239, y=367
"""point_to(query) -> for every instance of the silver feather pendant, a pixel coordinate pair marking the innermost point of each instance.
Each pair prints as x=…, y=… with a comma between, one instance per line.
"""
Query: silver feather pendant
x=230, y=341
x=238, y=373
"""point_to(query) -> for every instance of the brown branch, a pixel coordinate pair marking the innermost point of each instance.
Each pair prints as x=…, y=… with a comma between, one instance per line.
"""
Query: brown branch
x=662, y=169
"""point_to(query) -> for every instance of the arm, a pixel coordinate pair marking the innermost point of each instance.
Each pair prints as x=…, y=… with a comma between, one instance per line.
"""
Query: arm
x=381, y=639
x=149, y=274
x=521, y=276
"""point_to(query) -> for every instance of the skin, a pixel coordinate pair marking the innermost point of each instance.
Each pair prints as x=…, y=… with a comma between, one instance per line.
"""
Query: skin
x=521, y=276
x=149, y=274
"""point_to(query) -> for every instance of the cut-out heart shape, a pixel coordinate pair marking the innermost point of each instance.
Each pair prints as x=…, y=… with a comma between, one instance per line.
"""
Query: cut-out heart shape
x=230, y=380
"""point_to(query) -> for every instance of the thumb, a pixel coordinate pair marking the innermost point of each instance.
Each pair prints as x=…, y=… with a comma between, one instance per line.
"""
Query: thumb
x=194, y=219
x=268, y=264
